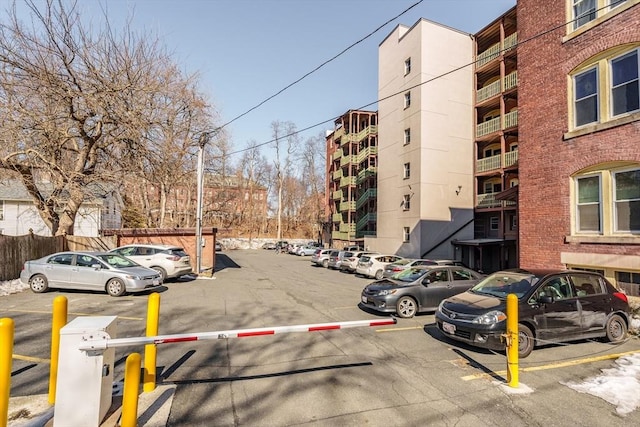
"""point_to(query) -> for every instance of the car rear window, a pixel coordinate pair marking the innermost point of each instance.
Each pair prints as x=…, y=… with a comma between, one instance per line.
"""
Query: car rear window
x=178, y=252
x=365, y=258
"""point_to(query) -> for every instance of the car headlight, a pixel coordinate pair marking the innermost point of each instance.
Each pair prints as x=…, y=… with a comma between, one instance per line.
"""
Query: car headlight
x=490, y=318
x=440, y=306
x=129, y=276
x=387, y=292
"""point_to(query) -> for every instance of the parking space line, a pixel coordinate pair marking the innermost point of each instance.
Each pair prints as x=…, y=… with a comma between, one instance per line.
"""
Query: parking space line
x=75, y=314
x=30, y=359
x=399, y=329
x=550, y=366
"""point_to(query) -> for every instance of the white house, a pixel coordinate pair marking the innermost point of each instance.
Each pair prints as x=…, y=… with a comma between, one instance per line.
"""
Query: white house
x=19, y=216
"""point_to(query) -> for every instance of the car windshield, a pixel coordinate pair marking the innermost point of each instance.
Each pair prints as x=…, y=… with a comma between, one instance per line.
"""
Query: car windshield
x=409, y=275
x=117, y=261
x=503, y=283
x=402, y=262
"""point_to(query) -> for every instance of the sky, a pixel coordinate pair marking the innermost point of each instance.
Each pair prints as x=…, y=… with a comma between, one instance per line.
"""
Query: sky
x=248, y=50
x=619, y=384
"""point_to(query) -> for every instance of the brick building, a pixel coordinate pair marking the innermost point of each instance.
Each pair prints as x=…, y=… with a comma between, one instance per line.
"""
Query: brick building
x=579, y=136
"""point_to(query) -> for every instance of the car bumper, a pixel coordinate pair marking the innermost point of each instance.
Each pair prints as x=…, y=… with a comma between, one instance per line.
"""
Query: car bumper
x=381, y=304
x=363, y=272
x=470, y=333
x=180, y=272
x=142, y=285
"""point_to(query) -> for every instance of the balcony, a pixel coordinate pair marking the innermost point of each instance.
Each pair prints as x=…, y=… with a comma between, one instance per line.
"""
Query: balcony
x=488, y=55
x=347, y=206
x=497, y=161
x=347, y=160
x=337, y=174
x=337, y=195
x=347, y=138
x=488, y=200
x=366, y=196
x=338, y=235
x=336, y=155
x=366, y=173
x=370, y=217
x=347, y=180
x=496, y=124
x=336, y=217
x=348, y=228
x=363, y=154
x=339, y=132
x=510, y=80
x=510, y=41
x=488, y=91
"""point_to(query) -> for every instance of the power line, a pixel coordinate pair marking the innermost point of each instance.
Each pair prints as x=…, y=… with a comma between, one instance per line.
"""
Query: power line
x=543, y=33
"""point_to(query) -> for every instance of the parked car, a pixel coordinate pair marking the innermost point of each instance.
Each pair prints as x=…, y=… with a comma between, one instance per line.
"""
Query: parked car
x=417, y=289
x=335, y=259
x=306, y=250
x=321, y=257
x=281, y=245
x=350, y=260
x=553, y=306
x=403, y=264
x=269, y=246
x=93, y=271
x=170, y=261
x=218, y=247
x=373, y=265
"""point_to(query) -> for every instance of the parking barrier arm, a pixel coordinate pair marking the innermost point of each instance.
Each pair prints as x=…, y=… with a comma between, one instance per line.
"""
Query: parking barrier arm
x=103, y=344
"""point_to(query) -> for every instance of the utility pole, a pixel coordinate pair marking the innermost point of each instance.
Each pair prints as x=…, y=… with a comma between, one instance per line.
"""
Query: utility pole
x=204, y=139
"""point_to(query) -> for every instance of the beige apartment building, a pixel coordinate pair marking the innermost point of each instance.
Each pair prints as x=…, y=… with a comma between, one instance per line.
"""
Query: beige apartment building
x=425, y=186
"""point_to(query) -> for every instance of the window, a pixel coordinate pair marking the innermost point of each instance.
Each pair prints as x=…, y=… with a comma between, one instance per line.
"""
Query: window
x=494, y=223
x=624, y=85
x=406, y=202
x=405, y=234
x=407, y=136
x=461, y=275
x=606, y=87
x=407, y=100
x=627, y=201
x=407, y=171
x=588, y=206
x=583, y=11
x=407, y=66
x=607, y=201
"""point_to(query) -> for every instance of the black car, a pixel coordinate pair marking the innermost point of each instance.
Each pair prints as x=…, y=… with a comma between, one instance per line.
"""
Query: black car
x=553, y=306
x=417, y=289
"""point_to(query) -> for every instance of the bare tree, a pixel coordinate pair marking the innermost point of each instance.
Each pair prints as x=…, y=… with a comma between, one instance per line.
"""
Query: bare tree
x=285, y=143
x=313, y=168
x=253, y=168
x=79, y=105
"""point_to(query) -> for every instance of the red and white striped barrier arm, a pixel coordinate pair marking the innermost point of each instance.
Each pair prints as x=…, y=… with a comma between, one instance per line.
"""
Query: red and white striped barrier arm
x=238, y=333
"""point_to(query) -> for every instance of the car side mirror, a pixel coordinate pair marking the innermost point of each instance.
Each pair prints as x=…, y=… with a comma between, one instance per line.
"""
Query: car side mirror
x=426, y=281
x=96, y=266
x=545, y=299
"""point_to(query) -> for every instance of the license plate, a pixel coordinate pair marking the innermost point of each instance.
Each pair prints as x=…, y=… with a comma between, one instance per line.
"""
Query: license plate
x=364, y=299
x=448, y=328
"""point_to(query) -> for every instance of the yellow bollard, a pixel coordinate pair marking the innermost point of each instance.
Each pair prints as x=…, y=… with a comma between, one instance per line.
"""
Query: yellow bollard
x=153, y=315
x=130, y=395
x=512, y=340
x=59, y=320
x=6, y=351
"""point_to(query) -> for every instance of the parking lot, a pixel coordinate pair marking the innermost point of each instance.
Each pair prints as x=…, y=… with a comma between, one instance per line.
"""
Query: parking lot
x=406, y=374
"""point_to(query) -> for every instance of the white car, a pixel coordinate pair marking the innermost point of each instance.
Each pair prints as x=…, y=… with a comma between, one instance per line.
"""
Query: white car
x=373, y=265
x=170, y=261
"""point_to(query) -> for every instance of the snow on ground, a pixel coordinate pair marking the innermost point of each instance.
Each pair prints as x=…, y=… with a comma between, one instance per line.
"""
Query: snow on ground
x=12, y=287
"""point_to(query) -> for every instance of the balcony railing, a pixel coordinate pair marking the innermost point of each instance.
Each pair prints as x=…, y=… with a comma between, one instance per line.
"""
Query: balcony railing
x=347, y=180
x=510, y=41
x=488, y=55
x=338, y=235
x=336, y=217
x=511, y=80
x=347, y=206
x=510, y=119
x=345, y=160
x=363, y=154
x=510, y=158
x=337, y=154
x=337, y=195
x=488, y=91
x=488, y=200
x=362, y=222
x=366, y=196
x=339, y=132
x=348, y=227
x=365, y=173
x=337, y=174
x=497, y=161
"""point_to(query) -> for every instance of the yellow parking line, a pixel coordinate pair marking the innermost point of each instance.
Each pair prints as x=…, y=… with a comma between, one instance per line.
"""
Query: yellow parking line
x=551, y=366
x=75, y=314
x=30, y=359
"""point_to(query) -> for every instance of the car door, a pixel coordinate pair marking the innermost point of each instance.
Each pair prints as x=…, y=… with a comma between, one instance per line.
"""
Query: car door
x=436, y=286
x=84, y=274
x=556, y=311
x=462, y=279
x=593, y=301
x=58, y=269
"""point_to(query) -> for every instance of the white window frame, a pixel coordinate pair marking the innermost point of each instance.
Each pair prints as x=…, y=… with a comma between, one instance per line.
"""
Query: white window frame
x=494, y=223
x=406, y=202
x=407, y=99
x=406, y=234
x=407, y=171
x=407, y=136
x=407, y=66
x=578, y=204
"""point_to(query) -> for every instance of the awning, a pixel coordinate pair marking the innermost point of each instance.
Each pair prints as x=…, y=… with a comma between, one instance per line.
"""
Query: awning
x=508, y=194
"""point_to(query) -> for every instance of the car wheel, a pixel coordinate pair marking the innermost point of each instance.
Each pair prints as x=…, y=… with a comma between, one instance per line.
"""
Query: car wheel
x=526, y=341
x=406, y=307
x=379, y=274
x=115, y=287
x=325, y=263
x=39, y=284
x=162, y=272
x=616, y=329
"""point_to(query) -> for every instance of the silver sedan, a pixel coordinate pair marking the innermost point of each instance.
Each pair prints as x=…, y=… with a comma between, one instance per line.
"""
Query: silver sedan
x=94, y=271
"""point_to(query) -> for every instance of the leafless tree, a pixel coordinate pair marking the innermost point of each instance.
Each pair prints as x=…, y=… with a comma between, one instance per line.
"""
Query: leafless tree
x=285, y=143
x=81, y=105
x=313, y=169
